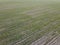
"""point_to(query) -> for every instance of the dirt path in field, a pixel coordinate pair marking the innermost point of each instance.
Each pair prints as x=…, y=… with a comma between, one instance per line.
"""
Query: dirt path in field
x=58, y=41
x=43, y=40
x=55, y=41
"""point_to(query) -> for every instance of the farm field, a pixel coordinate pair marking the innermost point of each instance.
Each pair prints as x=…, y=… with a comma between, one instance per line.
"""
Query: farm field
x=29, y=22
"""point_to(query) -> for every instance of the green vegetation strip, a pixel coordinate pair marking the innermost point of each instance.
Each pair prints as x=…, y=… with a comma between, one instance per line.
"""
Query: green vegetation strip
x=20, y=26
